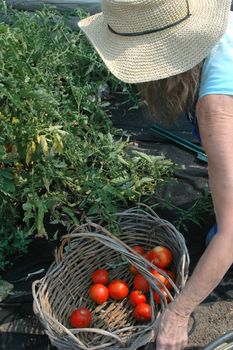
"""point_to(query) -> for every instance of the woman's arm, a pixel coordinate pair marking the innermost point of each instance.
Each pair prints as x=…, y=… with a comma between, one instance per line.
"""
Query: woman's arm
x=215, y=120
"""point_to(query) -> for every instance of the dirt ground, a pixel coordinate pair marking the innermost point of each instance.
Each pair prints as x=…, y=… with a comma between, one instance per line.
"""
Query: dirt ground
x=213, y=320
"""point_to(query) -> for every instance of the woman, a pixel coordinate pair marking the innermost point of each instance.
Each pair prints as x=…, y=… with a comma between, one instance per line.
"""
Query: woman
x=181, y=51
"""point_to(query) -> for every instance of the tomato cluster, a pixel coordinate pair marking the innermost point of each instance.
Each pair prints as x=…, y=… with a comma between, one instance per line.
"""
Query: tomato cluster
x=99, y=292
x=161, y=257
x=101, y=289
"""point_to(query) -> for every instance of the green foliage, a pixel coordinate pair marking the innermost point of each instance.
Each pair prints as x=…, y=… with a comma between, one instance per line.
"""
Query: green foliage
x=195, y=214
x=14, y=237
x=59, y=159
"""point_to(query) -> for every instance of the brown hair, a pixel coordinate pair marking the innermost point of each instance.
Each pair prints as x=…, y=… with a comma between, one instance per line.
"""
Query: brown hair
x=167, y=98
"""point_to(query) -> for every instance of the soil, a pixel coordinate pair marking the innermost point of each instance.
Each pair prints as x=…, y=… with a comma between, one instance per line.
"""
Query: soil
x=213, y=320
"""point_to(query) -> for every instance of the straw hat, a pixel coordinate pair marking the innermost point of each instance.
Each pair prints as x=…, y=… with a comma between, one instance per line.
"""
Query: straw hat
x=144, y=40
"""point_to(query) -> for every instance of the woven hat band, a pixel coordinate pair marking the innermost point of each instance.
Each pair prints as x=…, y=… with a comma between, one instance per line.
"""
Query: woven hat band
x=150, y=15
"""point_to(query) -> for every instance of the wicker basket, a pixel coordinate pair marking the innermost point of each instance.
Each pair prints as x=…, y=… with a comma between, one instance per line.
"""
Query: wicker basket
x=88, y=247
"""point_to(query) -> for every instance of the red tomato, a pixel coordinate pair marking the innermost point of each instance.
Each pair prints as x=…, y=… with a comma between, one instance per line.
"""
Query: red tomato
x=142, y=312
x=138, y=249
x=172, y=276
x=99, y=293
x=100, y=276
x=157, y=296
x=136, y=297
x=118, y=289
x=159, y=256
x=81, y=318
x=141, y=283
x=133, y=270
x=159, y=276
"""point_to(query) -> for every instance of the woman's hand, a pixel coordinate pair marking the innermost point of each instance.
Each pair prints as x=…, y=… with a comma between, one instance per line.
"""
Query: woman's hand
x=173, y=330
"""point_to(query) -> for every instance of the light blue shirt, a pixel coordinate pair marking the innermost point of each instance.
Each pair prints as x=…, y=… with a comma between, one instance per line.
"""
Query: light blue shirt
x=217, y=71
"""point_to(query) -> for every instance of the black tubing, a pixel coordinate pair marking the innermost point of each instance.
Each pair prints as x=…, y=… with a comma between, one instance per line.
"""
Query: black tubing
x=193, y=324
x=222, y=339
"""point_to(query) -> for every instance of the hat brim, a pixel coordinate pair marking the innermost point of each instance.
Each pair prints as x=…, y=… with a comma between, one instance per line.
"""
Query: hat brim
x=162, y=54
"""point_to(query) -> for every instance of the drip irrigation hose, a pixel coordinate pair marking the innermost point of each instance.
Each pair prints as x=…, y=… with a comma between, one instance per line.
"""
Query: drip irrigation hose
x=220, y=341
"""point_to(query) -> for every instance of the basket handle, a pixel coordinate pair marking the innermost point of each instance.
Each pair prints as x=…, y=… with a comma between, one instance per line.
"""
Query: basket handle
x=59, y=251
x=67, y=238
x=113, y=243
x=106, y=238
x=97, y=330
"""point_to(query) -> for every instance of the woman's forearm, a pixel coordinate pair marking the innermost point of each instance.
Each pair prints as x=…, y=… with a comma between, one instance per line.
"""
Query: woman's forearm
x=215, y=119
x=208, y=273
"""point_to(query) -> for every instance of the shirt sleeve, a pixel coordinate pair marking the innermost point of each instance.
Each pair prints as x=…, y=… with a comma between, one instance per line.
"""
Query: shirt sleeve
x=217, y=71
